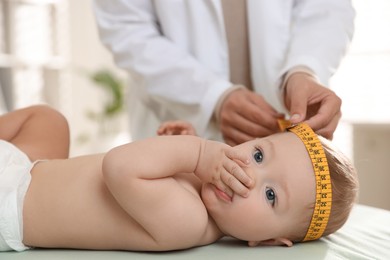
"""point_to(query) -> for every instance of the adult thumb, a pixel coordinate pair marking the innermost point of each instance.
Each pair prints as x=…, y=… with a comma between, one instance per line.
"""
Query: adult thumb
x=298, y=105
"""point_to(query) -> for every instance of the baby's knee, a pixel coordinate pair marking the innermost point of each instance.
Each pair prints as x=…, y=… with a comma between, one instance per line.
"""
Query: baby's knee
x=58, y=122
x=57, y=119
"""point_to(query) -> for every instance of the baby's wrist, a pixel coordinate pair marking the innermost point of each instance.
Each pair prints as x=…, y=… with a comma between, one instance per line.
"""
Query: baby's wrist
x=198, y=166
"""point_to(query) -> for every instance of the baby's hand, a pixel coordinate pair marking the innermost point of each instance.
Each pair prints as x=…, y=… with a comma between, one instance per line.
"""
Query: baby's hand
x=220, y=165
x=176, y=128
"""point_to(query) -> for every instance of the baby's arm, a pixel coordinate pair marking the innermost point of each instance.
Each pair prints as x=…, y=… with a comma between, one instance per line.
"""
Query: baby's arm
x=165, y=156
x=137, y=175
x=39, y=131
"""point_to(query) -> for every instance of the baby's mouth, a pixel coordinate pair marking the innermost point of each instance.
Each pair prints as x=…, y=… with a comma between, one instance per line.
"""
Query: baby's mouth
x=223, y=195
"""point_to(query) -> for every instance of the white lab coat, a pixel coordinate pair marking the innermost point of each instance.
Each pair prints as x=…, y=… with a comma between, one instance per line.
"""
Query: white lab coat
x=176, y=52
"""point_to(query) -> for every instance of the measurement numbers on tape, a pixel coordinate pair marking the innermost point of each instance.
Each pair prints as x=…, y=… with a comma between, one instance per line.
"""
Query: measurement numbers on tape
x=323, y=200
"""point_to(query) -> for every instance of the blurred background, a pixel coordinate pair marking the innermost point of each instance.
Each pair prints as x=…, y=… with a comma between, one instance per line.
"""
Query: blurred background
x=50, y=53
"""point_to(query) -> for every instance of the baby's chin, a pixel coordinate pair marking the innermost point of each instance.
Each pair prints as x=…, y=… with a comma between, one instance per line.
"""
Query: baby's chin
x=215, y=206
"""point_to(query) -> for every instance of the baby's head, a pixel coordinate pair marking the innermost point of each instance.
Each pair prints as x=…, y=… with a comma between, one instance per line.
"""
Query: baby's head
x=344, y=183
x=280, y=208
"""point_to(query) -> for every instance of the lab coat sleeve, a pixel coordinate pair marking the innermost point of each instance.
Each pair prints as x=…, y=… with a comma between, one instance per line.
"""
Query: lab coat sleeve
x=170, y=75
x=320, y=34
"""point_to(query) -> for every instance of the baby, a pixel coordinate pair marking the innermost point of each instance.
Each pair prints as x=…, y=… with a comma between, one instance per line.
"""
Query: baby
x=167, y=192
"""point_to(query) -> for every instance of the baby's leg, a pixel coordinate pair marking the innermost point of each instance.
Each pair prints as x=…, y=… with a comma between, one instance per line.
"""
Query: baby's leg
x=39, y=131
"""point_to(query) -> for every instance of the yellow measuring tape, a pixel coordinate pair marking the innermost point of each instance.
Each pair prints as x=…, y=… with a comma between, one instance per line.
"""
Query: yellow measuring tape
x=323, y=201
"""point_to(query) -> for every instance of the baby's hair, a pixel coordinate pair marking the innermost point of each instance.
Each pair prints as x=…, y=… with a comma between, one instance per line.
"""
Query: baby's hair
x=345, y=187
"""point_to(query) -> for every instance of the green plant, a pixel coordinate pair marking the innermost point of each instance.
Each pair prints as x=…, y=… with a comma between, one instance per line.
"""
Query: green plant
x=114, y=88
x=111, y=106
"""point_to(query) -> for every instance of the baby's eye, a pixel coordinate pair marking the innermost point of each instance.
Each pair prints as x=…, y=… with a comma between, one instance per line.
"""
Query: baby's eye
x=258, y=156
x=271, y=196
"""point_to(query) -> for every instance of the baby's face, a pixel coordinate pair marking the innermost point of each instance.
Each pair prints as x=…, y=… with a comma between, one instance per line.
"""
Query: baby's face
x=284, y=190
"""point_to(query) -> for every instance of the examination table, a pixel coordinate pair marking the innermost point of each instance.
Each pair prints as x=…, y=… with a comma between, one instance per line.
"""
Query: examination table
x=366, y=235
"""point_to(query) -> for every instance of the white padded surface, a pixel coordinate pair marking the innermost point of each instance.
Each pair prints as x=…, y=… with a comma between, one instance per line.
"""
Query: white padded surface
x=366, y=235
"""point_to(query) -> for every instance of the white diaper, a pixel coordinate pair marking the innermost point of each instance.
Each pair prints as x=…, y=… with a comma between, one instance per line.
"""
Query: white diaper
x=15, y=178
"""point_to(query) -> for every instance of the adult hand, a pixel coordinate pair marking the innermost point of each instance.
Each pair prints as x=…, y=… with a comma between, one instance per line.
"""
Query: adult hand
x=245, y=115
x=308, y=100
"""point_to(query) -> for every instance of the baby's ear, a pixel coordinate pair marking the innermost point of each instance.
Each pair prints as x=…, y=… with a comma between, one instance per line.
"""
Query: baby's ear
x=272, y=242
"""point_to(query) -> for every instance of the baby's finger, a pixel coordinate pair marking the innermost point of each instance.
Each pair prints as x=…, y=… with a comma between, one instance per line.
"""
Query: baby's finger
x=165, y=129
x=224, y=188
x=229, y=180
x=240, y=157
x=235, y=169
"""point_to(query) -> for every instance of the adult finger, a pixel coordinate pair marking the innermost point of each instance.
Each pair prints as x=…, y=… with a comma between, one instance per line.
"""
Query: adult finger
x=249, y=106
x=240, y=129
x=262, y=113
x=328, y=130
x=298, y=100
x=327, y=116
